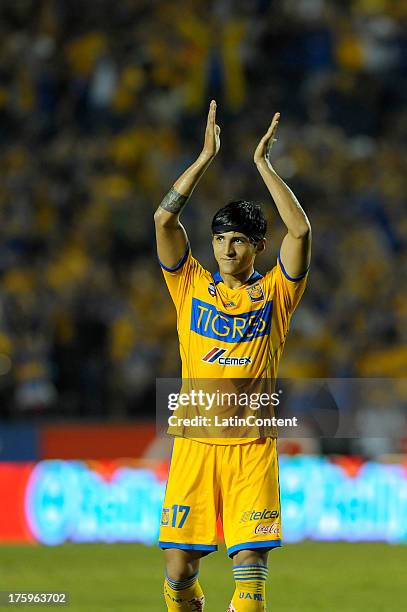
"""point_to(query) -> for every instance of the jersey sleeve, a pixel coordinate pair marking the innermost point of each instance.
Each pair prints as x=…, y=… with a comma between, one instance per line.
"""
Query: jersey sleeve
x=182, y=278
x=287, y=293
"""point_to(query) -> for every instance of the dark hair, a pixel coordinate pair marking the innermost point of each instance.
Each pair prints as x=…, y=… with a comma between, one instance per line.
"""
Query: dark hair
x=241, y=216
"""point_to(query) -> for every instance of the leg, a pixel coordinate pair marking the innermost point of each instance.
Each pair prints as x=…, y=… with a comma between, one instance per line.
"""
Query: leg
x=182, y=590
x=251, y=557
x=250, y=574
x=188, y=523
x=182, y=564
x=251, y=519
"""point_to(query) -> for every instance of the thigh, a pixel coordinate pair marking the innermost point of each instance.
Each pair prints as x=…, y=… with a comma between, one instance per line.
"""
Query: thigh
x=251, y=496
x=191, y=503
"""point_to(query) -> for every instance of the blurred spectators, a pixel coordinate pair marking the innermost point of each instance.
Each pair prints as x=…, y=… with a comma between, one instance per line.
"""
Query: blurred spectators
x=102, y=106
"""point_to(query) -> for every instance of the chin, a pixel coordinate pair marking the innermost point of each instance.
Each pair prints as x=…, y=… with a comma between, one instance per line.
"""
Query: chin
x=229, y=268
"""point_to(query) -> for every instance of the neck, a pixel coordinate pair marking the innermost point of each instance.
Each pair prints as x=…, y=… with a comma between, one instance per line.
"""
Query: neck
x=234, y=281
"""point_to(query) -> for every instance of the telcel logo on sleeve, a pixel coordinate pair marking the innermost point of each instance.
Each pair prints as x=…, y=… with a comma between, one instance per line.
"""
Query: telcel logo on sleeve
x=216, y=354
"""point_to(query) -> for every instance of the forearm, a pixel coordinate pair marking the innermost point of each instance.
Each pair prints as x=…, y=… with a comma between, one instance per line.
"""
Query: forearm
x=192, y=175
x=289, y=208
x=170, y=234
x=174, y=202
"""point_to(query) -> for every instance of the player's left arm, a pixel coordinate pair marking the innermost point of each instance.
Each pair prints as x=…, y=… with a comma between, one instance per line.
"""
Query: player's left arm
x=295, y=252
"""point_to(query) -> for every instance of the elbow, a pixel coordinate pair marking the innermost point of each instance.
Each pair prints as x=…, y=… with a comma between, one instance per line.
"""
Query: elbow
x=165, y=219
x=301, y=232
x=157, y=216
x=160, y=217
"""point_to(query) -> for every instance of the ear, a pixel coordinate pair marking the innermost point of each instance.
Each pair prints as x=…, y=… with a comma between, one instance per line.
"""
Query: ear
x=260, y=246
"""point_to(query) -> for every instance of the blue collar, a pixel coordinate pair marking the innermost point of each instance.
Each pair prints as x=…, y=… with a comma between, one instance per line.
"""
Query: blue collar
x=254, y=277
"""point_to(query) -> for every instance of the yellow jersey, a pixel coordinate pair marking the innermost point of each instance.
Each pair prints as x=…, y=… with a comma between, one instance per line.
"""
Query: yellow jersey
x=234, y=337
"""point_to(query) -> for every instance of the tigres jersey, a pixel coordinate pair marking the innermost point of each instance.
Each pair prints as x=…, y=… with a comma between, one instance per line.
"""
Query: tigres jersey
x=230, y=334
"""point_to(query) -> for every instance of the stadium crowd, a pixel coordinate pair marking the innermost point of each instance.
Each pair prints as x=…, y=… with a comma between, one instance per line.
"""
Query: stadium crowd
x=103, y=105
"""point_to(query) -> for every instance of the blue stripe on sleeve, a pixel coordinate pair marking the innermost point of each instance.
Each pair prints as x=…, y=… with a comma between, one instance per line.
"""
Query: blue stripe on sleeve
x=291, y=278
x=177, y=265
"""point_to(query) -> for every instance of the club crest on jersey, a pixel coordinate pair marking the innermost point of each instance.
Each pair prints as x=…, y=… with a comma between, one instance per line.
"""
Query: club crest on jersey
x=165, y=517
x=255, y=292
x=212, y=289
x=217, y=354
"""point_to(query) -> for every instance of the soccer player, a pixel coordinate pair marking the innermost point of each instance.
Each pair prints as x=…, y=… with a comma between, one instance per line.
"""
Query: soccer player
x=230, y=325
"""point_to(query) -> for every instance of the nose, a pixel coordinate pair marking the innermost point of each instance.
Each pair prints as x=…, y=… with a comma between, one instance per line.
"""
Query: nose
x=229, y=248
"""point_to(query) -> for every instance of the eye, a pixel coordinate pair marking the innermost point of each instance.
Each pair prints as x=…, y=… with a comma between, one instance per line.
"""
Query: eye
x=219, y=238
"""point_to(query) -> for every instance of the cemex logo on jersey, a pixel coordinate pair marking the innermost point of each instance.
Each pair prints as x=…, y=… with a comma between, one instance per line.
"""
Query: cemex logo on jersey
x=216, y=354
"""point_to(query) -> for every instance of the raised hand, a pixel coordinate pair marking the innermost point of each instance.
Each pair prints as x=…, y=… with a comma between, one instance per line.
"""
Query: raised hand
x=263, y=149
x=212, y=134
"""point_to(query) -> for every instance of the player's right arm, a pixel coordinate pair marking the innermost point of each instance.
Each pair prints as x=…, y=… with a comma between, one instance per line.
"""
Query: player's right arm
x=171, y=236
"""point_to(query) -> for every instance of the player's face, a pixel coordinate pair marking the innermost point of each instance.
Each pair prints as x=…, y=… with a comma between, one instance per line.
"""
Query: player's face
x=234, y=252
